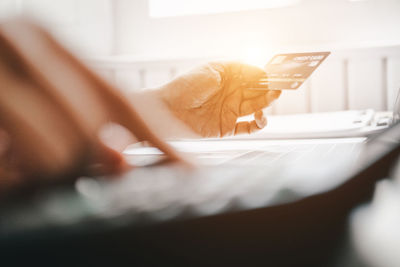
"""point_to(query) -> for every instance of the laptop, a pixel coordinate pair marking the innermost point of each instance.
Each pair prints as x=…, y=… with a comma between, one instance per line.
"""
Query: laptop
x=216, y=215
x=338, y=124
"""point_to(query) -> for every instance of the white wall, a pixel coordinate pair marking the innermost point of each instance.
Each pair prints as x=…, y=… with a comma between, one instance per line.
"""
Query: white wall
x=311, y=23
x=350, y=78
x=86, y=26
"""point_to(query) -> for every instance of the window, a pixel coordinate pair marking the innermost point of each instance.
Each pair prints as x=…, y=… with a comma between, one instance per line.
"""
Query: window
x=170, y=8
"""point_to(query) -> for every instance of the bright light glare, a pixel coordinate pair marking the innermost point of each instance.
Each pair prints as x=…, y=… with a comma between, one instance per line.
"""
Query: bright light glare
x=254, y=56
x=170, y=8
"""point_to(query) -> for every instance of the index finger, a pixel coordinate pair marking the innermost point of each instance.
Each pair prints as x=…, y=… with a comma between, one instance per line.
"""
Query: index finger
x=121, y=111
x=115, y=106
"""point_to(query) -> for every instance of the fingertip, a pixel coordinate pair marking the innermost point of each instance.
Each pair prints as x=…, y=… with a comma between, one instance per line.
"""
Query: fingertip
x=260, y=120
x=105, y=160
x=253, y=127
x=246, y=127
x=189, y=162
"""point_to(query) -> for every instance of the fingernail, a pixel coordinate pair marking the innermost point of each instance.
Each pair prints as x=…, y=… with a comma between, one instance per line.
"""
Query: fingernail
x=261, y=123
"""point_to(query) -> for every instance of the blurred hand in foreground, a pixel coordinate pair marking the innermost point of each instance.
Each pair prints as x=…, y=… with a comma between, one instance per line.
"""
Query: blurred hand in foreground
x=52, y=108
x=211, y=98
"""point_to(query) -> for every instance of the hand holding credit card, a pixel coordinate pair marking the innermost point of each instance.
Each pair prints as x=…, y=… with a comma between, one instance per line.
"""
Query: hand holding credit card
x=289, y=71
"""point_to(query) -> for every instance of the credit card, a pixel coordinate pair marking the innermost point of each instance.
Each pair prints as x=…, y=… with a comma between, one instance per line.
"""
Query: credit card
x=289, y=71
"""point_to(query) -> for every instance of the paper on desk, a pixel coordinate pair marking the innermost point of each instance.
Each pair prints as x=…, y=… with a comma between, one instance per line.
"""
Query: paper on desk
x=316, y=125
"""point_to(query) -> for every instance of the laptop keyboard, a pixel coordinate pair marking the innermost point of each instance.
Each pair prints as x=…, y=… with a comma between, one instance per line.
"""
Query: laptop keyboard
x=168, y=194
x=153, y=194
x=249, y=180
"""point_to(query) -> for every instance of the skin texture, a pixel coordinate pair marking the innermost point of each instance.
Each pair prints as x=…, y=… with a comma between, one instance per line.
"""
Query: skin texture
x=211, y=98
